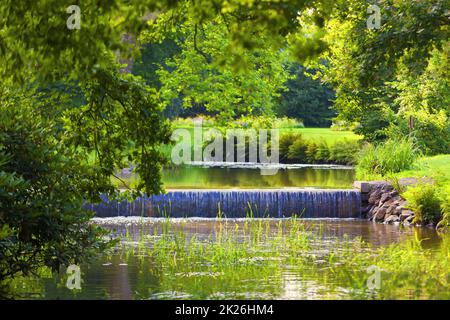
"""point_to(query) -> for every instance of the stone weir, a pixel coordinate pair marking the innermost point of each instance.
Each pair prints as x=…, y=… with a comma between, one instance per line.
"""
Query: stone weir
x=279, y=203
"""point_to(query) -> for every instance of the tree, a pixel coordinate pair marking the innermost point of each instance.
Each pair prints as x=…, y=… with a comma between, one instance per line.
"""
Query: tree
x=307, y=99
x=203, y=75
x=42, y=187
x=69, y=119
x=366, y=64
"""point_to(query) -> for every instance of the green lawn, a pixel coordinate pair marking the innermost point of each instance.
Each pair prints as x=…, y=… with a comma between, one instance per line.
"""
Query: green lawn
x=330, y=136
x=437, y=167
x=317, y=134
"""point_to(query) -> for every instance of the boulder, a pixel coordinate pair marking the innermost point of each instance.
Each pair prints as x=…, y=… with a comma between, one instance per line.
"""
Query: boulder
x=409, y=219
x=385, y=197
x=374, y=197
x=391, y=210
x=379, y=215
x=393, y=193
x=391, y=219
x=372, y=212
x=405, y=214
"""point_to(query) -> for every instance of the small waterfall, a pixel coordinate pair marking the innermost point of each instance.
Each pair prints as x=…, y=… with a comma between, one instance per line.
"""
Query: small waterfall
x=238, y=204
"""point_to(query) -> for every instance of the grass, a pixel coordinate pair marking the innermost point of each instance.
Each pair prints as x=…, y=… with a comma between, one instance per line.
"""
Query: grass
x=435, y=167
x=256, y=253
x=389, y=157
x=234, y=261
x=424, y=198
x=313, y=134
x=319, y=134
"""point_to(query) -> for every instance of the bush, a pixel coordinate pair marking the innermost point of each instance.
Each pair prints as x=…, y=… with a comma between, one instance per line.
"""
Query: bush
x=392, y=156
x=311, y=152
x=445, y=207
x=344, y=152
x=298, y=151
x=323, y=152
x=286, y=140
x=431, y=131
x=41, y=182
x=286, y=122
x=424, y=201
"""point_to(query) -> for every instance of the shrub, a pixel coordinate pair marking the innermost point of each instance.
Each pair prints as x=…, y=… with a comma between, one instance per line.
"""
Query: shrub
x=344, y=152
x=42, y=184
x=323, y=152
x=445, y=207
x=423, y=199
x=389, y=157
x=297, y=151
x=311, y=151
x=431, y=131
x=286, y=122
x=286, y=140
x=342, y=125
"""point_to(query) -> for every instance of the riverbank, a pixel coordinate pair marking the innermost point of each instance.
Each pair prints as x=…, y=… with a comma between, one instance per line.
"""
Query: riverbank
x=385, y=200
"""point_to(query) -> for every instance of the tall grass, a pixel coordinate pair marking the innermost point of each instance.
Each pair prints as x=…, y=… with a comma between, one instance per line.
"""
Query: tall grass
x=258, y=249
x=256, y=258
x=391, y=156
x=423, y=199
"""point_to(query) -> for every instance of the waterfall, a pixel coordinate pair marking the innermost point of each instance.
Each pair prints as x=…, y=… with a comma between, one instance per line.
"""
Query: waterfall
x=238, y=204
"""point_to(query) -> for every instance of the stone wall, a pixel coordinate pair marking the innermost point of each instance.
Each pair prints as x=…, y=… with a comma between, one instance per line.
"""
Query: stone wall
x=382, y=203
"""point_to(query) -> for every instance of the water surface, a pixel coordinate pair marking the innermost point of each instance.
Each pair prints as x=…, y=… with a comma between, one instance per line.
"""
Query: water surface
x=215, y=177
x=131, y=272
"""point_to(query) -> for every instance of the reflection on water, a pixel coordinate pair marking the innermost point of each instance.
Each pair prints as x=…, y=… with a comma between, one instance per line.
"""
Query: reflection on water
x=131, y=272
x=194, y=177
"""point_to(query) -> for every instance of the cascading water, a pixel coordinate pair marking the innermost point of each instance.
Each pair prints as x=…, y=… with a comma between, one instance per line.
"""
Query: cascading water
x=238, y=203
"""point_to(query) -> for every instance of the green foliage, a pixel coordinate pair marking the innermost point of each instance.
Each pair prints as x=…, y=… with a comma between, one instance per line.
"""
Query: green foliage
x=204, y=76
x=445, y=207
x=307, y=99
x=388, y=157
x=311, y=152
x=383, y=76
x=323, y=152
x=296, y=149
x=344, y=152
x=285, y=142
x=42, y=188
x=297, y=152
x=425, y=100
x=424, y=201
x=121, y=122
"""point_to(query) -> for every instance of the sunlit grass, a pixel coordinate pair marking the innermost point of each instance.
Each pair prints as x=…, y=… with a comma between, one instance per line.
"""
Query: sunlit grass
x=267, y=259
x=256, y=253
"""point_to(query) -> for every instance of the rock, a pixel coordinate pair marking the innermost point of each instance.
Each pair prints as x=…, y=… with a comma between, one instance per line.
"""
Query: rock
x=398, y=211
x=387, y=204
x=405, y=214
x=364, y=187
x=409, y=219
x=387, y=187
x=374, y=197
x=391, y=219
x=379, y=215
x=373, y=210
x=390, y=210
x=393, y=193
x=384, y=197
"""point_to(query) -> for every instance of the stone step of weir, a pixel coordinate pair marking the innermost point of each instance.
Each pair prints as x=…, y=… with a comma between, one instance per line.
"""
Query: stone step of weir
x=237, y=203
